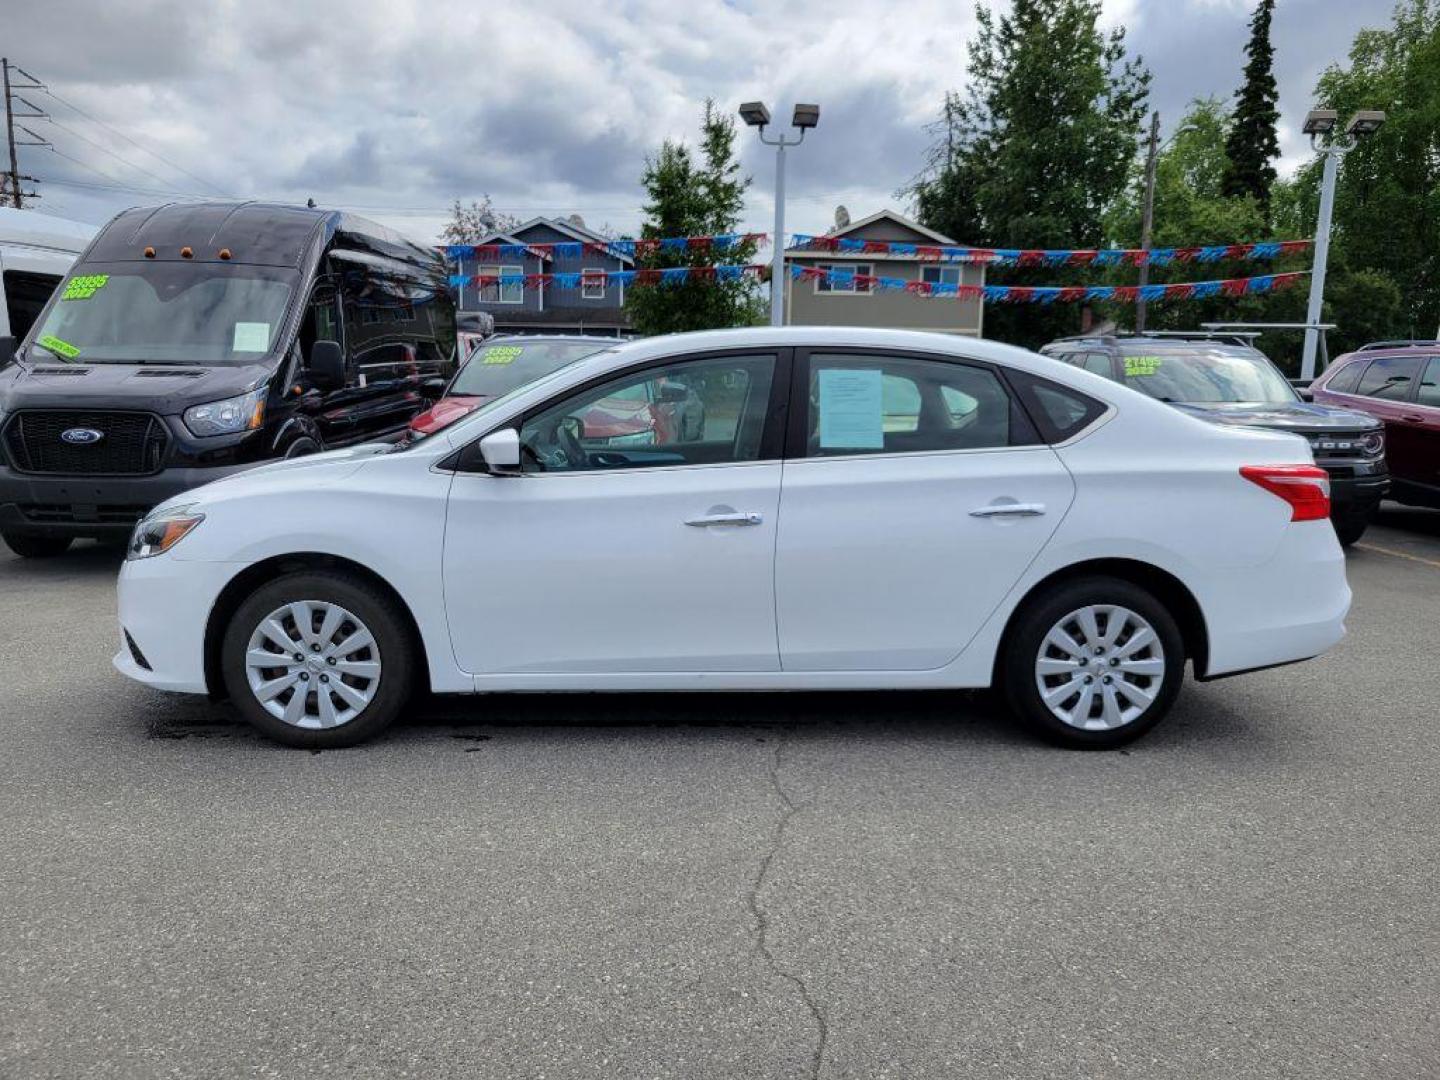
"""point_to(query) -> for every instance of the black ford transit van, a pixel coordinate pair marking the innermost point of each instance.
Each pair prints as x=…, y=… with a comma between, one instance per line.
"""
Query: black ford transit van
x=192, y=341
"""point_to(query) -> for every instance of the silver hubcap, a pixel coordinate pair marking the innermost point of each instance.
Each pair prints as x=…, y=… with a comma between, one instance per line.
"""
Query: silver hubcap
x=1100, y=667
x=313, y=664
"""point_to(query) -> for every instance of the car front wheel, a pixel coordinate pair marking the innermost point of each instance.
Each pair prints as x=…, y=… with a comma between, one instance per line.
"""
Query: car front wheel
x=318, y=659
x=1093, y=663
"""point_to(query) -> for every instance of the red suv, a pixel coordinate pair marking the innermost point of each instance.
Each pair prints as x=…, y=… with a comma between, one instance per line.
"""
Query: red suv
x=1397, y=382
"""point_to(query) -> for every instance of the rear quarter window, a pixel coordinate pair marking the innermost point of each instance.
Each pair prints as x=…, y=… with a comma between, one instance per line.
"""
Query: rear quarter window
x=1346, y=378
x=1060, y=412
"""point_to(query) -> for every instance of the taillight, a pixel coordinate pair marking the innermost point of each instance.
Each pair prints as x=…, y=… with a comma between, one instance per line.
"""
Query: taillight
x=1305, y=487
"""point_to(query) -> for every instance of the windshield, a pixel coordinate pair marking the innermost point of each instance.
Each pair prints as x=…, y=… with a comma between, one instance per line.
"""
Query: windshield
x=208, y=314
x=498, y=367
x=1207, y=375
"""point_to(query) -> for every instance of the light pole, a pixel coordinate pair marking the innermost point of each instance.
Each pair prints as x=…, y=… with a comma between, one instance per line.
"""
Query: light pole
x=1320, y=124
x=757, y=115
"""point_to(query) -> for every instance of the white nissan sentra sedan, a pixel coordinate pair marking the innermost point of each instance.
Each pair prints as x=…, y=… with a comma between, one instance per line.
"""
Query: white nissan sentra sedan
x=852, y=509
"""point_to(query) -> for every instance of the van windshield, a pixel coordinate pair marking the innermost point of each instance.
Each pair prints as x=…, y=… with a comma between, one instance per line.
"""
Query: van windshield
x=206, y=314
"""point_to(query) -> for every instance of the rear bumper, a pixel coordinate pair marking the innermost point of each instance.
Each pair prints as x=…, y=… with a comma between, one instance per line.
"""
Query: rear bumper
x=1291, y=607
x=92, y=506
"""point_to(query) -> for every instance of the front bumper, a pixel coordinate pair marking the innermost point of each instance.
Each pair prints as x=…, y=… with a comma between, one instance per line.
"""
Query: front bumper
x=1356, y=486
x=93, y=506
x=164, y=607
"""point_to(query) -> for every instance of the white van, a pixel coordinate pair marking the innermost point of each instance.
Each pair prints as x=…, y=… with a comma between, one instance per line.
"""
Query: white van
x=36, y=251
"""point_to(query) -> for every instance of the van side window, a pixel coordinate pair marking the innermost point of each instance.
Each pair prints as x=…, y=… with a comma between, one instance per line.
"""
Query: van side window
x=392, y=320
x=322, y=318
x=25, y=296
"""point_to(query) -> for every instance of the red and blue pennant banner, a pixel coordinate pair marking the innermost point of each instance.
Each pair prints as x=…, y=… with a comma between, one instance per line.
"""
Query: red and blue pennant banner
x=672, y=275
x=1259, y=252
x=847, y=281
x=615, y=249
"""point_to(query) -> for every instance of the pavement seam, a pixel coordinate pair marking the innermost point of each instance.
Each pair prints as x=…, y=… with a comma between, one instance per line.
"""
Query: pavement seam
x=1397, y=554
x=762, y=920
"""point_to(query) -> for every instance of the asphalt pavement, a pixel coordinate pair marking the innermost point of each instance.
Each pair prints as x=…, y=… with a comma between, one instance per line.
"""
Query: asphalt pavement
x=853, y=885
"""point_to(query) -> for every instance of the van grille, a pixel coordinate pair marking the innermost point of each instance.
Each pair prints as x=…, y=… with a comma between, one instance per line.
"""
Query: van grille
x=132, y=443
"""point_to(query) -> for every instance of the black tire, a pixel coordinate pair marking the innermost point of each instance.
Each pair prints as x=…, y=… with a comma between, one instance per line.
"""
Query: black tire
x=302, y=447
x=1348, y=530
x=37, y=547
x=1023, y=645
x=380, y=614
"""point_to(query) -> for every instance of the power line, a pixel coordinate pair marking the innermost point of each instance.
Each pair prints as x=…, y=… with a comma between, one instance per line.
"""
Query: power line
x=117, y=132
x=106, y=150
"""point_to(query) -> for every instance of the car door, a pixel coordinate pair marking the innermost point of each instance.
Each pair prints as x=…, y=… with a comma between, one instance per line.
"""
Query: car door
x=1421, y=422
x=916, y=492
x=1389, y=386
x=627, y=543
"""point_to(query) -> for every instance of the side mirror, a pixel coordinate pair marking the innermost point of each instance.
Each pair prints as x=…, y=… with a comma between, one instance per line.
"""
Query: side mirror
x=501, y=451
x=435, y=386
x=326, y=367
x=7, y=350
x=674, y=395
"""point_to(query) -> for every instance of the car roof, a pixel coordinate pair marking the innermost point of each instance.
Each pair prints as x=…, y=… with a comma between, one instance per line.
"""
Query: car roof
x=597, y=339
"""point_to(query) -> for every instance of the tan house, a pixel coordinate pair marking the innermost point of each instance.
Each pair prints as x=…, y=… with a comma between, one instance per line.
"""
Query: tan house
x=856, y=303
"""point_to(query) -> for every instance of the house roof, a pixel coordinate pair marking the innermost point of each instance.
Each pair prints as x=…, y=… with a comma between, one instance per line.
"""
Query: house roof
x=899, y=219
x=510, y=238
x=577, y=232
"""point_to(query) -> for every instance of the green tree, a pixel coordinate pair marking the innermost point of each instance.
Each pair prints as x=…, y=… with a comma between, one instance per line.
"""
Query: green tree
x=1038, y=147
x=1387, y=201
x=690, y=197
x=1252, y=146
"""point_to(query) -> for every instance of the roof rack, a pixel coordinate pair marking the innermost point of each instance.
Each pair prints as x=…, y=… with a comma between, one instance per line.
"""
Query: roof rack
x=1107, y=338
x=1207, y=333
x=1397, y=344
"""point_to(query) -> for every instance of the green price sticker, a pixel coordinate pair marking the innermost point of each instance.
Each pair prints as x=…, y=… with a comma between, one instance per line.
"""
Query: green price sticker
x=1141, y=365
x=84, y=287
x=59, y=347
x=501, y=354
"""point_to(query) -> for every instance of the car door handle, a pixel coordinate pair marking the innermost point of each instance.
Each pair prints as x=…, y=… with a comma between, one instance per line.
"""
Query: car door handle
x=713, y=520
x=1009, y=510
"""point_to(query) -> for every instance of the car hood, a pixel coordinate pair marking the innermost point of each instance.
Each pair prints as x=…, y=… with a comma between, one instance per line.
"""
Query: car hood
x=309, y=472
x=446, y=411
x=166, y=390
x=1299, y=416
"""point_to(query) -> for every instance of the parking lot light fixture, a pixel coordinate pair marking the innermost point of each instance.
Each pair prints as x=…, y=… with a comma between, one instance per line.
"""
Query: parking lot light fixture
x=1320, y=121
x=1320, y=125
x=757, y=115
x=1365, y=122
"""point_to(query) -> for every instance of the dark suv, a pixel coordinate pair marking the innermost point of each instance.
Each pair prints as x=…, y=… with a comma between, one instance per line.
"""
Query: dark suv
x=1398, y=383
x=1226, y=380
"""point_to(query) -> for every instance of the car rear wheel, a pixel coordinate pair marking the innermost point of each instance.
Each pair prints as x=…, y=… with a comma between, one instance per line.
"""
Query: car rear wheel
x=319, y=660
x=36, y=547
x=1093, y=663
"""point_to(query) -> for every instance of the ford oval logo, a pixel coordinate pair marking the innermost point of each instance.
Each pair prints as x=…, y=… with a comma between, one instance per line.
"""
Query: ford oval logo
x=81, y=436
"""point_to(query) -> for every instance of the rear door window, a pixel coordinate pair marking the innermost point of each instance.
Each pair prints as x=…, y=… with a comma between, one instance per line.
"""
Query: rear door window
x=863, y=403
x=1390, y=378
x=1429, y=394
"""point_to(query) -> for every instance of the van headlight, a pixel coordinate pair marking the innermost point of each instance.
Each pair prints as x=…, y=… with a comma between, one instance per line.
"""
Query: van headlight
x=244, y=412
x=161, y=531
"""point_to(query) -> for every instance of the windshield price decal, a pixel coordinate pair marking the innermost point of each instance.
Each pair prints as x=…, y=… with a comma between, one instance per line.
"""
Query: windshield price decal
x=58, y=347
x=501, y=354
x=82, y=288
x=1141, y=365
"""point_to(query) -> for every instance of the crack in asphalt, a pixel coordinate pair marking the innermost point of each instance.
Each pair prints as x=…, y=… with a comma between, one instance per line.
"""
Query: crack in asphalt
x=762, y=920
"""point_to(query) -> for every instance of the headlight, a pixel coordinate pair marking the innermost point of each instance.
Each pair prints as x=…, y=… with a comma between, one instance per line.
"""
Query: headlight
x=1373, y=444
x=242, y=413
x=158, y=533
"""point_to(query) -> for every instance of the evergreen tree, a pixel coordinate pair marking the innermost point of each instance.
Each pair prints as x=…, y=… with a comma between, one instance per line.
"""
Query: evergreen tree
x=690, y=197
x=1038, y=148
x=1252, y=146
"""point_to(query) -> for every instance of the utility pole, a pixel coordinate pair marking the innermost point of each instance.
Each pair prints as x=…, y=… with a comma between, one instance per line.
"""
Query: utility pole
x=10, y=136
x=1147, y=216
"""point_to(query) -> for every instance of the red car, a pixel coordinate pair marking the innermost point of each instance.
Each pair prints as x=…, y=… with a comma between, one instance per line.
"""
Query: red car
x=503, y=364
x=1397, y=382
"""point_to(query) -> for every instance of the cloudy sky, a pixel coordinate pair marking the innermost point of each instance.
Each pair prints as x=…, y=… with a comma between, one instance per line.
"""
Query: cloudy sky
x=397, y=107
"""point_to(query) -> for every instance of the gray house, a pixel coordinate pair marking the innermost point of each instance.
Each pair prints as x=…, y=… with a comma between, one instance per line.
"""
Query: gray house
x=597, y=307
x=853, y=303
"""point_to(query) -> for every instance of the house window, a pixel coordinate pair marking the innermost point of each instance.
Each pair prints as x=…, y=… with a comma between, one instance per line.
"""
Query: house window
x=849, y=288
x=592, y=283
x=494, y=292
x=941, y=275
